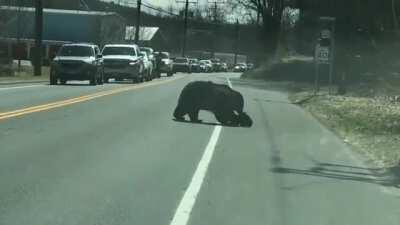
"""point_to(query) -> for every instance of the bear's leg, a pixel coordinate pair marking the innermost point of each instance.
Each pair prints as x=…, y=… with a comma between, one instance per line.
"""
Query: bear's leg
x=227, y=118
x=179, y=113
x=219, y=116
x=194, y=115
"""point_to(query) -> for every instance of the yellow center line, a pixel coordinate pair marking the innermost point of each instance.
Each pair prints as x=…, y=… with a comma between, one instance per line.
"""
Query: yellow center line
x=84, y=98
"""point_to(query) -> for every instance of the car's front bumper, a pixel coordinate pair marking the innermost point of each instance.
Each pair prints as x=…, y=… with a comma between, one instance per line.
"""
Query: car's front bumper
x=128, y=71
x=78, y=72
x=165, y=68
x=181, y=68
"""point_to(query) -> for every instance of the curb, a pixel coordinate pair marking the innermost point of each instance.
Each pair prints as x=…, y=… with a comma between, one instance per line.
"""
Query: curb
x=22, y=82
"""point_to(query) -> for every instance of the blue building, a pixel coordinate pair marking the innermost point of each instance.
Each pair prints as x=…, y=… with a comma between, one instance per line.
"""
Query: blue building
x=59, y=26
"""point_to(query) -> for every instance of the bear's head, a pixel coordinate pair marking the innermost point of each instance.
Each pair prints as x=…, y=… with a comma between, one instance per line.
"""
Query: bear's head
x=245, y=120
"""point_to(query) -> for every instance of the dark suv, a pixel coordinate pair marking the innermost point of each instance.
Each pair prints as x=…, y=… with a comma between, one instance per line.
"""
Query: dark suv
x=182, y=65
x=164, y=64
x=77, y=62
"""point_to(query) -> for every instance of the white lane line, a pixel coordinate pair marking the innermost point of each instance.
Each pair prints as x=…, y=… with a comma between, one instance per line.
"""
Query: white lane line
x=20, y=87
x=229, y=82
x=185, y=207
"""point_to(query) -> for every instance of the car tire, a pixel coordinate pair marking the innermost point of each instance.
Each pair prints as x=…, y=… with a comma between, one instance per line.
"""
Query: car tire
x=93, y=81
x=53, y=78
x=100, y=80
x=169, y=74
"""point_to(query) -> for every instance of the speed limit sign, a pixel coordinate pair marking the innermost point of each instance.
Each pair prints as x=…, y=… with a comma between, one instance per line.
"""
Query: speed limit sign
x=322, y=55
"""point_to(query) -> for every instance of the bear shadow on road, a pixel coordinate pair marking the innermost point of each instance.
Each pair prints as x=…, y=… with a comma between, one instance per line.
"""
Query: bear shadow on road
x=382, y=176
x=206, y=123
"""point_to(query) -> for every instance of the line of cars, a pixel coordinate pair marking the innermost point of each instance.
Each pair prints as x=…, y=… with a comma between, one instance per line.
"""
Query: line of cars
x=242, y=67
x=85, y=61
x=192, y=65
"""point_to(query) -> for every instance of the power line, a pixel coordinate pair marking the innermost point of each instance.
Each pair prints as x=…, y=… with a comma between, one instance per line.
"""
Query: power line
x=149, y=6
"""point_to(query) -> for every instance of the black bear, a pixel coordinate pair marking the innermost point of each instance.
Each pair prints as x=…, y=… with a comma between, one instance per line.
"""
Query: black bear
x=223, y=101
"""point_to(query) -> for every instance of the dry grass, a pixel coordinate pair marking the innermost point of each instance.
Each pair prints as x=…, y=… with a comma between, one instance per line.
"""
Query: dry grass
x=26, y=74
x=371, y=125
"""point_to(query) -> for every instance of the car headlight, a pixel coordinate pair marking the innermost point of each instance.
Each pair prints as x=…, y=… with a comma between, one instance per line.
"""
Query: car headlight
x=133, y=62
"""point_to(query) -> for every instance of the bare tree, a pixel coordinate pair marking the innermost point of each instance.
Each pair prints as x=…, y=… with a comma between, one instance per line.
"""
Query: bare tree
x=394, y=14
x=270, y=14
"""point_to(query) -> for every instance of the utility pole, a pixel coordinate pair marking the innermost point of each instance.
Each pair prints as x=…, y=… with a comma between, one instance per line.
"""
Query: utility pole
x=37, y=58
x=19, y=33
x=214, y=42
x=185, y=28
x=185, y=25
x=139, y=4
x=236, y=41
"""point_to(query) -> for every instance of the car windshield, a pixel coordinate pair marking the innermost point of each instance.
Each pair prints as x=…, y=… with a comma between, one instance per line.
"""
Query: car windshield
x=149, y=51
x=80, y=51
x=164, y=55
x=118, y=51
x=181, y=60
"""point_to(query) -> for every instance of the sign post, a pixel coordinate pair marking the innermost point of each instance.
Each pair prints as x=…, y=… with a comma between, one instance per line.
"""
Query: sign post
x=325, y=50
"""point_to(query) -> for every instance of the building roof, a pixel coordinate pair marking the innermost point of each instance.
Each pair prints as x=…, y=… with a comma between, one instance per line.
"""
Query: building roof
x=145, y=34
x=57, y=11
x=63, y=25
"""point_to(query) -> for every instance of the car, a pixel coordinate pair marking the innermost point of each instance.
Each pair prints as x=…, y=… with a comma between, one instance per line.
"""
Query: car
x=195, y=65
x=164, y=64
x=122, y=61
x=240, y=67
x=203, y=67
x=216, y=65
x=182, y=65
x=77, y=61
x=148, y=66
x=224, y=67
x=207, y=64
x=150, y=54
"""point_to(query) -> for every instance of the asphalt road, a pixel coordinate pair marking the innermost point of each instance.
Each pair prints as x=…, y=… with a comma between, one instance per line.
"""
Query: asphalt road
x=112, y=155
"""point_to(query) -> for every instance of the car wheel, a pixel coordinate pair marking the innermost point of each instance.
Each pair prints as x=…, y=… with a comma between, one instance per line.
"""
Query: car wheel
x=169, y=74
x=53, y=78
x=93, y=81
x=100, y=80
